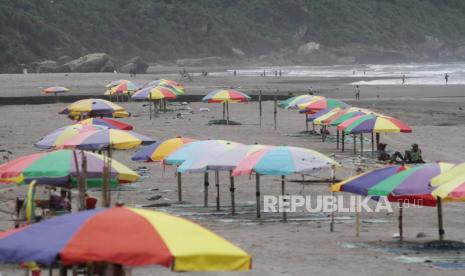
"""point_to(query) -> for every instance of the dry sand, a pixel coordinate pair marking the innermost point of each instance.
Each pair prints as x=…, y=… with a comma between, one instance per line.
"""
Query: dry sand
x=303, y=247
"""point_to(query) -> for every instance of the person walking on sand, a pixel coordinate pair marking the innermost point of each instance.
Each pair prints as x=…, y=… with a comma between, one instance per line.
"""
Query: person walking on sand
x=357, y=92
x=403, y=79
x=446, y=77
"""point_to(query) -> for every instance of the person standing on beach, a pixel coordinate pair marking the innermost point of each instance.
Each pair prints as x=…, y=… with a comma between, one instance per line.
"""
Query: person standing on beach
x=446, y=77
x=235, y=72
x=403, y=79
x=280, y=73
x=357, y=92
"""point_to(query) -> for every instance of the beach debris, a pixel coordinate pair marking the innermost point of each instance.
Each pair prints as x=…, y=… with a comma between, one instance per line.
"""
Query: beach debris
x=204, y=109
x=421, y=235
x=154, y=198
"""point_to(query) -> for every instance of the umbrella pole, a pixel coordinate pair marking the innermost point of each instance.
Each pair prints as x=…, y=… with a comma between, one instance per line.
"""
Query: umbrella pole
x=275, y=112
x=150, y=105
x=440, y=221
x=232, y=189
x=333, y=180
x=82, y=182
x=283, y=183
x=205, y=189
x=79, y=178
x=306, y=122
x=217, y=184
x=343, y=142
x=401, y=229
x=224, y=111
x=257, y=193
x=260, y=108
x=179, y=178
x=337, y=139
x=355, y=143
x=361, y=143
x=377, y=140
x=313, y=128
x=357, y=219
x=227, y=113
x=372, y=143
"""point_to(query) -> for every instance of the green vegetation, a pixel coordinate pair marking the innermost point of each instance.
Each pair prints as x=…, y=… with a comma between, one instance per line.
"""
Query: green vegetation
x=170, y=29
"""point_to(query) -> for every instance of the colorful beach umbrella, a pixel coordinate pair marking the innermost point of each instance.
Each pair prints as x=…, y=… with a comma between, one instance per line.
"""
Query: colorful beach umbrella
x=160, y=150
x=121, y=87
x=282, y=161
x=60, y=135
x=344, y=115
x=155, y=93
x=315, y=105
x=450, y=184
x=59, y=168
x=225, y=96
x=105, y=138
x=293, y=102
x=93, y=107
x=373, y=123
x=109, y=123
x=56, y=90
x=124, y=236
x=176, y=86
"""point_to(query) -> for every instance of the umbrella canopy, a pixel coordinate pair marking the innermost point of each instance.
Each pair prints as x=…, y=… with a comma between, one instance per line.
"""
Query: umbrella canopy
x=59, y=168
x=450, y=184
x=283, y=160
x=412, y=181
x=193, y=149
x=93, y=107
x=155, y=93
x=344, y=115
x=293, y=102
x=176, y=86
x=230, y=159
x=59, y=136
x=160, y=150
x=199, y=162
x=318, y=114
x=138, y=237
x=321, y=103
x=109, y=123
x=56, y=90
x=225, y=96
x=373, y=123
x=121, y=87
x=98, y=139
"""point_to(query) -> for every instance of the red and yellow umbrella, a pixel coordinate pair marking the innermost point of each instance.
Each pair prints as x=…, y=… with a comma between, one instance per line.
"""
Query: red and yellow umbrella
x=125, y=236
x=225, y=96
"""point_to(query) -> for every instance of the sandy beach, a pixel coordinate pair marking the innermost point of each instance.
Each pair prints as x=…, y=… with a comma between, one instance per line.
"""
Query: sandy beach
x=304, y=245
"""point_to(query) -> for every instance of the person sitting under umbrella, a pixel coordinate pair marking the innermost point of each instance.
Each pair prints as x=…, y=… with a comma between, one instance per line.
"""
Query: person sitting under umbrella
x=59, y=202
x=412, y=156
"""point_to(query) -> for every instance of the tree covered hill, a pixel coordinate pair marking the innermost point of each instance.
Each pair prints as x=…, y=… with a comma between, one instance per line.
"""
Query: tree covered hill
x=164, y=30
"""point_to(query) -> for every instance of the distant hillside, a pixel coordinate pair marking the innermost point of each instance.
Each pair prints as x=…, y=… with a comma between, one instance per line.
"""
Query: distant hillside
x=268, y=31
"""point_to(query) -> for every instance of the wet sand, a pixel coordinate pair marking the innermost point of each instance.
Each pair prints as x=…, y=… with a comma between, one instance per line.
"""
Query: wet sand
x=304, y=245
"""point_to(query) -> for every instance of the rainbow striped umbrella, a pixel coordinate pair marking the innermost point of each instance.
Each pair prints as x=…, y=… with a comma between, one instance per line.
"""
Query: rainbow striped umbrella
x=59, y=136
x=121, y=87
x=93, y=107
x=137, y=237
x=104, y=138
x=450, y=184
x=321, y=103
x=155, y=93
x=59, y=168
x=293, y=102
x=345, y=115
x=56, y=90
x=109, y=123
x=160, y=150
x=176, y=86
x=225, y=96
x=370, y=123
x=282, y=161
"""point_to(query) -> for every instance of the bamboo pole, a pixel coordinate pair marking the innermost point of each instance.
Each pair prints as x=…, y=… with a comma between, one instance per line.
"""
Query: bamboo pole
x=306, y=122
x=260, y=109
x=205, y=189
x=357, y=219
x=337, y=139
x=343, y=142
x=232, y=189
x=283, y=193
x=440, y=219
x=227, y=113
x=257, y=193
x=179, y=178
x=401, y=229
x=355, y=143
x=361, y=143
x=333, y=180
x=275, y=112
x=217, y=184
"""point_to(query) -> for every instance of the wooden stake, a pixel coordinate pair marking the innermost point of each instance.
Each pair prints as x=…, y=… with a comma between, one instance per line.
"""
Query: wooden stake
x=283, y=193
x=205, y=189
x=232, y=189
x=440, y=221
x=401, y=230
x=257, y=193
x=217, y=184
x=260, y=110
x=275, y=110
x=179, y=187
